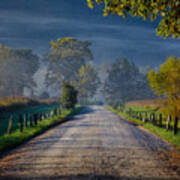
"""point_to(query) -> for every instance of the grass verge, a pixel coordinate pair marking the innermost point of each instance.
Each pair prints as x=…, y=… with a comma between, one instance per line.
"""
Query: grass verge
x=168, y=136
x=8, y=142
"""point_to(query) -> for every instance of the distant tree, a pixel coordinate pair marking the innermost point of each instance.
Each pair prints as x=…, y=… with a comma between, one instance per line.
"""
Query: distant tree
x=166, y=82
x=166, y=10
x=17, y=68
x=125, y=83
x=87, y=84
x=69, y=96
x=44, y=95
x=67, y=56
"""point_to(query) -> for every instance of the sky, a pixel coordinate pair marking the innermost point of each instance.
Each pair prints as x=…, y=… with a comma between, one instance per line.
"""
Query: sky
x=34, y=23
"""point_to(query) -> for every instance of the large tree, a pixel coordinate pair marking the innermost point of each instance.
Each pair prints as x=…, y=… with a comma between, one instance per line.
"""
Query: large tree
x=168, y=11
x=125, y=83
x=67, y=56
x=17, y=68
x=88, y=83
x=166, y=82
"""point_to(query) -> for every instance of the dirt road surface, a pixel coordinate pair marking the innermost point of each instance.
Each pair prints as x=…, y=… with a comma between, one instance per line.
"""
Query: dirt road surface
x=96, y=144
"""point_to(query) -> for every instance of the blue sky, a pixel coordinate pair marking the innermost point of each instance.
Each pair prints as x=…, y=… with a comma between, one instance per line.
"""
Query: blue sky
x=33, y=23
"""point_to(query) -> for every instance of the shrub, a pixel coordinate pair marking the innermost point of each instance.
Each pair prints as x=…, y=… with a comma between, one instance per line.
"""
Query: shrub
x=69, y=96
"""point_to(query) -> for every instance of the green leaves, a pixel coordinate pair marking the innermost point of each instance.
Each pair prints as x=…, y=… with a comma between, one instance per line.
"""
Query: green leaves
x=69, y=96
x=169, y=11
x=88, y=83
x=67, y=56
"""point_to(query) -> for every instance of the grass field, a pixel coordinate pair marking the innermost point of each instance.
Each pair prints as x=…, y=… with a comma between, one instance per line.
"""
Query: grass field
x=11, y=104
x=24, y=110
x=161, y=132
x=149, y=106
x=20, y=105
x=16, y=137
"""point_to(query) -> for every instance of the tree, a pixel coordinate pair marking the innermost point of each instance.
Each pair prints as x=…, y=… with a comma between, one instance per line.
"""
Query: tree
x=69, y=96
x=124, y=83
x=67, y=56
x=44, y=95
x=166, y=10
x=17, y=68
x=166, y=82
x=87, y=84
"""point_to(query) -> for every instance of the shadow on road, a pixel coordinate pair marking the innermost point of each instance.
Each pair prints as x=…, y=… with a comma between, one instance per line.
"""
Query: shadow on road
x=84, y=177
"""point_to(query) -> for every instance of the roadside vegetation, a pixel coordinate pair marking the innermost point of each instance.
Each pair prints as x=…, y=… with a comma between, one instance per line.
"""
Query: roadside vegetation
x=162, y=132
x=8, y=141
x=70, y=78
x=24, y=118
x=159, y=115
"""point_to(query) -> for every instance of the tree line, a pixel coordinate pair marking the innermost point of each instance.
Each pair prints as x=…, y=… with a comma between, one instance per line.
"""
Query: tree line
x=70, y=68
x=69, y=62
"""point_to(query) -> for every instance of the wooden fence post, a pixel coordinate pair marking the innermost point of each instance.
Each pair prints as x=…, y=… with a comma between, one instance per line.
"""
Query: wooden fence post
x=25, y=120
x=31, y=120
x=175, y=129
x=55, y=112
x=154, y=118
x=35, y=119
x=10, y=124
x=47, y=115
x=140, y=116
x=168, y=122
x=160, y=120
x=145, y=116
x=41, y=117
x=21, y=123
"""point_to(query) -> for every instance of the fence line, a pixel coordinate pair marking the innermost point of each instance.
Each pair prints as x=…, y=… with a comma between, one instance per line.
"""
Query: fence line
x=24, y=120
x=156, y=119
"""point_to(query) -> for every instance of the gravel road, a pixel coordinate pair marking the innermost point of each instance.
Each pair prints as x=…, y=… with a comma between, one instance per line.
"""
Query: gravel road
x=96, y=144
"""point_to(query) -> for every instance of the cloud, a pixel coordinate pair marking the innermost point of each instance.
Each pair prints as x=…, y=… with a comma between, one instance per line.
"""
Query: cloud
x=34, y=26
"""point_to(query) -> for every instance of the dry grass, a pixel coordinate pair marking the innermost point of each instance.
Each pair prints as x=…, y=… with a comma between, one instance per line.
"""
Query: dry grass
x=157, y=104
x=11, y=103
x=8, y=101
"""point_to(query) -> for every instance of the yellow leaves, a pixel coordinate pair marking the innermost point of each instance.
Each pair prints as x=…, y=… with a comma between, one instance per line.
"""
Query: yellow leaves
x=90, y=4
x=167, y=80
x=120, y=13
x=163, y=13
x=167, y=9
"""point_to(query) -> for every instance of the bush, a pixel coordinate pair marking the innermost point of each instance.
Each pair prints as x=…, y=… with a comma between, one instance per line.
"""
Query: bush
x=117, y=105
x=69, y=96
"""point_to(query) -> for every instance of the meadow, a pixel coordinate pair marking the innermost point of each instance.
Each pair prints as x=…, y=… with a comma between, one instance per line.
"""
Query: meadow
x=22, y=106
x=149, y=106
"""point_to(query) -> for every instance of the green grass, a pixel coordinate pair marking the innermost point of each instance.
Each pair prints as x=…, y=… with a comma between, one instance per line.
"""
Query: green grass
x=150, y=111
x=11, y=104
x=161, y=132
x=16, y=138
x=24, y=110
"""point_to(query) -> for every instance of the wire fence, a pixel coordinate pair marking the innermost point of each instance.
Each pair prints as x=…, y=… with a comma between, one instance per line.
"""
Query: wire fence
x=29, y=117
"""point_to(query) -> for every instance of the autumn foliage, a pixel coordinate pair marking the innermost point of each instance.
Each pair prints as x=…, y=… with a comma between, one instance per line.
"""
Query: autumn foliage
x=166, y=82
